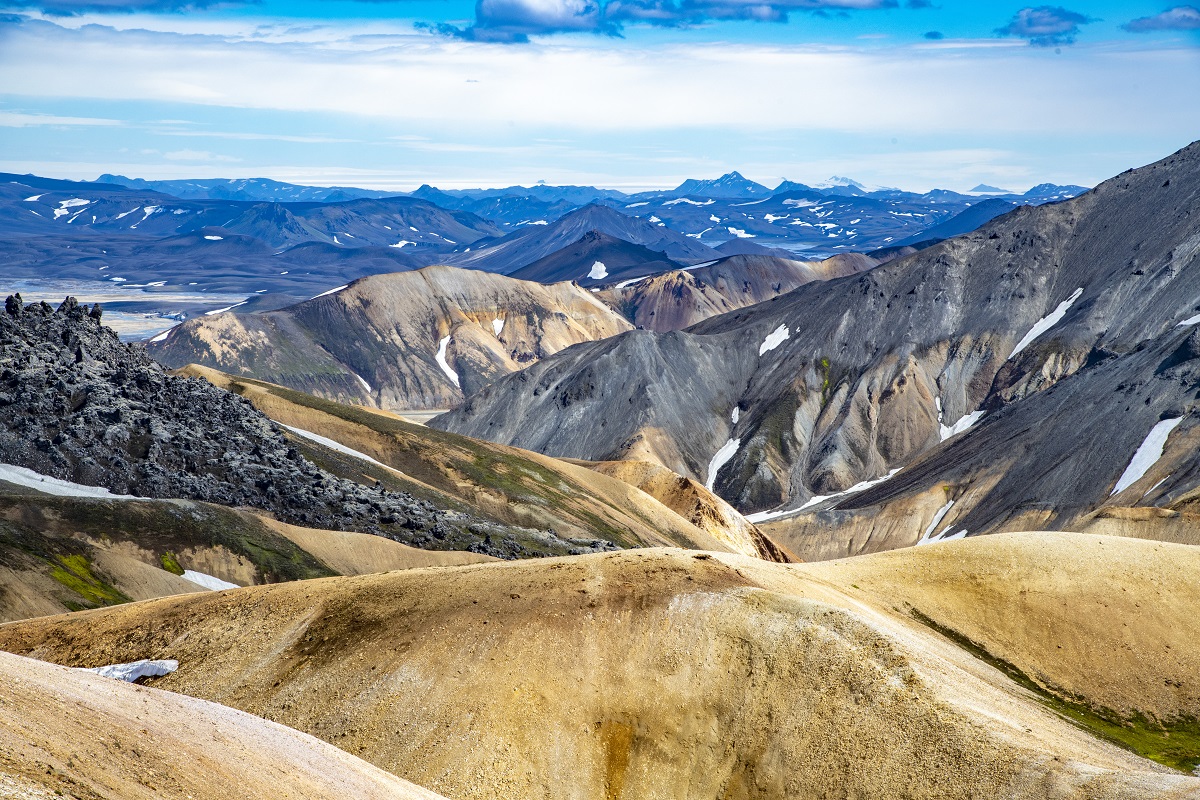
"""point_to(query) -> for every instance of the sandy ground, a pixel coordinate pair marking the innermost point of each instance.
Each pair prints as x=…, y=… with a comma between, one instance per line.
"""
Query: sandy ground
x=650, y=674
x=65, y=733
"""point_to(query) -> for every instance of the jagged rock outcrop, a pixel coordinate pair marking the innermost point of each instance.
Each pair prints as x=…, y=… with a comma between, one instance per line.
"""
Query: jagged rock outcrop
x=79, y=405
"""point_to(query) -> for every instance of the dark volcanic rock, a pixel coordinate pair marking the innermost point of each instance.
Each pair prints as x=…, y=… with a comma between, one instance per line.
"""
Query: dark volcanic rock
x=77, y=404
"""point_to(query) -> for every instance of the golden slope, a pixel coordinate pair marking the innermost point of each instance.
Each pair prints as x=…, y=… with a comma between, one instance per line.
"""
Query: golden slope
x=65, y=733
x=696, y=504
x=647, y=674
x=495, y=481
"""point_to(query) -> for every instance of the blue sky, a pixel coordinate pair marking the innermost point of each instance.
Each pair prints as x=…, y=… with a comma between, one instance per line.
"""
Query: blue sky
x=629, y=94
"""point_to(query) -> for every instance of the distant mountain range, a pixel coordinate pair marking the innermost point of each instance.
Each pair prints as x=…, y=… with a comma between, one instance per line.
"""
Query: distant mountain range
x=286, y=242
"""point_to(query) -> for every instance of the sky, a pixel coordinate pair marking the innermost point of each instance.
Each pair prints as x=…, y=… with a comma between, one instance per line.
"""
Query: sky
x=625, y=94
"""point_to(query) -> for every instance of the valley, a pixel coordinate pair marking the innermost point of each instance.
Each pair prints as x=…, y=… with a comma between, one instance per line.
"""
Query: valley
x=561, y=494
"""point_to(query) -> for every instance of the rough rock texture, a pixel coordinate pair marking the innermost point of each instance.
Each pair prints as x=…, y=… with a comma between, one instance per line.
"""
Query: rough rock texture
x=663, y=674
x=77, y=404
x=844, y=381
x=377, y=342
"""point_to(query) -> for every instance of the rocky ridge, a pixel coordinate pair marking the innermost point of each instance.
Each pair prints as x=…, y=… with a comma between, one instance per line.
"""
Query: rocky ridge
x=79, y=405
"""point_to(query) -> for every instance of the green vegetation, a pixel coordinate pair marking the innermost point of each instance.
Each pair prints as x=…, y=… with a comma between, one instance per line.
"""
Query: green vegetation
x=823, y=364
x=46, y=525
x=521, y=480
x=75, y=573
x=170, y=564
x=1173, y=743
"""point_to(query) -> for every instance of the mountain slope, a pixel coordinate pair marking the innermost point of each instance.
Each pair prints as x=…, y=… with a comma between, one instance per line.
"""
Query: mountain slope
x=534, y=242
x=843, y=381
x=68, y=553
x=89, y=415
x=408, y=340
x=504, y=484
x=125, y=742
x=963, y=222
x=638, y=673
x=595, y=259
x=676, y=300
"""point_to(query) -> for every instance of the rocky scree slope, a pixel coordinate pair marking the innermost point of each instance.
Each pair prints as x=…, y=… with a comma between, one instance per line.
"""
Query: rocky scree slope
x=842, y=382
x=77, y=404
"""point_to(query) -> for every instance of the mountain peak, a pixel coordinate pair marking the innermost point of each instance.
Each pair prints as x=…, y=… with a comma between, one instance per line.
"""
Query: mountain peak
x=731, y=185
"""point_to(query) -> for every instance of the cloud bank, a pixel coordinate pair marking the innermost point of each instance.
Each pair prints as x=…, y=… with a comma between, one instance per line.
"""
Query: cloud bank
x=1045, y=26
x=1179, y=18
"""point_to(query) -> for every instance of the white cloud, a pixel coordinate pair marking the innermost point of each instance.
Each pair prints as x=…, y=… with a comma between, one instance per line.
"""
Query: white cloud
x=15, y=119
x=571, y=86
x=197, y=155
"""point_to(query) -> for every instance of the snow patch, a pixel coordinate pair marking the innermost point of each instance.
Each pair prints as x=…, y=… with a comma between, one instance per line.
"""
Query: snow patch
x=765, y=516
x=631, y=205
x=332, y=445
x=1147, y=455
x=727, y=451
x=364, y=383
x=146, y=212
x=162, y=336
x=1189, y=322
x=445, y=365
x=331, y=291
x=598, y=271
x=963, y=424
x=63, y=205
x=774, y=339
x=214, y=312
x=926, y=537
x=35, y=198
x=714, y=218
x=398, y=245
x=208, y=581
x=136, y=669
x=679, y=200
x=739, y=233
x=214, y=238
x=23, y=476
x=736, y=415
x=497, y=326
x=1047, y=322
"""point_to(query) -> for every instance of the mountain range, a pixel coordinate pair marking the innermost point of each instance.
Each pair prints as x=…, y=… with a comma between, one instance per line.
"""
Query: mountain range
x=598, y=504
x=787, y=406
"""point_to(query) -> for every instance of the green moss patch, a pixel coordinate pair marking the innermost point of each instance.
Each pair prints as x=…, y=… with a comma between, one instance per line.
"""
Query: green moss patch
x=75, y=573
x=170, y=563
x=1173, y=743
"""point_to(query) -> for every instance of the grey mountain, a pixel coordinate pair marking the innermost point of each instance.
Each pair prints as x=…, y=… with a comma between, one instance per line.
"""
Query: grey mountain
x=841, y=382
